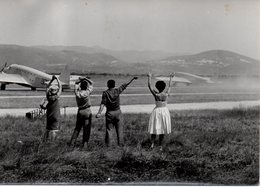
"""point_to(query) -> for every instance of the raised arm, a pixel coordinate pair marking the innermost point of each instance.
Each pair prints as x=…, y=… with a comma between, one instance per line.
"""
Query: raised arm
x=149, y=75
x=88, y=90
x=123, y=86
x=49, y=84
x=134, y=78
x=89, y=80
x=77, y=87
x=170, y=81
x=59, y=86
x=90, y=84
x=52, y=79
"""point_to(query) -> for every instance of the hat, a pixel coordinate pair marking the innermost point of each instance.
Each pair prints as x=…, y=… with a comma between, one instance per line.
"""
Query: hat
x=53, y=89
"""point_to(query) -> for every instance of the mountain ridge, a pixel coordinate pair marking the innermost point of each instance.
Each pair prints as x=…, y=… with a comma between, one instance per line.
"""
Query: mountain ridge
x=208, y=63
x=129, y=56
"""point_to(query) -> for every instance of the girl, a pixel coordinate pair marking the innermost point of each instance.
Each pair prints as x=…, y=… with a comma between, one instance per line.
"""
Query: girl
x=160, y=119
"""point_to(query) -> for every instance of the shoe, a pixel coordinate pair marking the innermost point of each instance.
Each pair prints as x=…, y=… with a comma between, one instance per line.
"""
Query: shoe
x=81, y=147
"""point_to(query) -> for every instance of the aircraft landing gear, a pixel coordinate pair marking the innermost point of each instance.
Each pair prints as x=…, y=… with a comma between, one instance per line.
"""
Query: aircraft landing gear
x=3, y=86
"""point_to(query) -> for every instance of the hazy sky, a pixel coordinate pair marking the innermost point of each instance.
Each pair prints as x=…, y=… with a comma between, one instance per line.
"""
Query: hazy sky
x=178, y=26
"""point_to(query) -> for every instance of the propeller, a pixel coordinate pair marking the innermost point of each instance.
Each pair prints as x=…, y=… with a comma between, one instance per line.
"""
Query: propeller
x=5, y=65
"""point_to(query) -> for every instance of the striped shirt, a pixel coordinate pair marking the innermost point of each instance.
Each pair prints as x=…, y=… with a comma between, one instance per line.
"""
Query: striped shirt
x=83, y=96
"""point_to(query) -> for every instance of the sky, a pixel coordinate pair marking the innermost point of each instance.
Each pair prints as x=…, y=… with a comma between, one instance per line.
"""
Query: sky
x=176, y=26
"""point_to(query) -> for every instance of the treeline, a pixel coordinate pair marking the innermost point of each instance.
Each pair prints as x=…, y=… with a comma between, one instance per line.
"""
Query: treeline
x=107, y=74
x=96, y=74
x=91, y=73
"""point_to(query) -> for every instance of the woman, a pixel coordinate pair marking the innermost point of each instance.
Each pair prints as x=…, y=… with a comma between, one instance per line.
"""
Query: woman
x=160, y=119
x=53, y=93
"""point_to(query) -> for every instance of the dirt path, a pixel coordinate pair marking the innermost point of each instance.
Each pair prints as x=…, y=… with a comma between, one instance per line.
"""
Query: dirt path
x=148, y=108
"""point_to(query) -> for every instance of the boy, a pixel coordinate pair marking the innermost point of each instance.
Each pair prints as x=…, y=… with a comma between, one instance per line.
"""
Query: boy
x=111, y=99
x=83, y=89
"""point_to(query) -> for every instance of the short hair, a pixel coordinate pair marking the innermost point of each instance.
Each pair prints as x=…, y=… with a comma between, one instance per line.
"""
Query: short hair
x=84, y=85
x=111, y=83
x=160, y=85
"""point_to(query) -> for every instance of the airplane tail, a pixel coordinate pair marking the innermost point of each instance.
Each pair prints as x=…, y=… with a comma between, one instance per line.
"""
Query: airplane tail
x=65, y=75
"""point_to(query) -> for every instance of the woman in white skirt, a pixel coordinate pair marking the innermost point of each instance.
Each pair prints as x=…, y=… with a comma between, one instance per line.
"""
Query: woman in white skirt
x=160, y=119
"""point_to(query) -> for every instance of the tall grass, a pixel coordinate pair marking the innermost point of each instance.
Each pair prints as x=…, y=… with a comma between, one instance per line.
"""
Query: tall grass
x=210, y=146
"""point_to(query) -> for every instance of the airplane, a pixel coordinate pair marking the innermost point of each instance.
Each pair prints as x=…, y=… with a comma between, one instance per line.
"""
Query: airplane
x=189, y=78
x=30, y=77
x=33, y=78
x=174, y=79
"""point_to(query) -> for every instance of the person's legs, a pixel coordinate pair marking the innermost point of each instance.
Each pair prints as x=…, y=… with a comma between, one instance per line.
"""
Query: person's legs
x=108, y=133
x=119, y=128
x=46, y=133
x=86, y=129
x=53, y=135
x=76, y=131
x=153, y=136
x=109, y=123
x=50, y=135
x=45, y=136
x=161, y=137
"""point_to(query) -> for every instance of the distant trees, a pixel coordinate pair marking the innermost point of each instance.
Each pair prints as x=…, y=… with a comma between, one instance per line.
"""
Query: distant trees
x=106, y=74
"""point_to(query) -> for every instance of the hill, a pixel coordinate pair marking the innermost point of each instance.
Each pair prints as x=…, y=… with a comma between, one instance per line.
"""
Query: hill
x=52, y=61
x=89, y=59
x=129, y=56
x=213, y=62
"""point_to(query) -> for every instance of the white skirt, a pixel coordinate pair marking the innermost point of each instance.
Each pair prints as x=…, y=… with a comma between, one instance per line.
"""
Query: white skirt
x=160, y=121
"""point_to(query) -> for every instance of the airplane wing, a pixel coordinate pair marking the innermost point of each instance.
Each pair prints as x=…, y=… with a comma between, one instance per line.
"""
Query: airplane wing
x=193, y=77
x=174, y=79
x=12, y=78
x=188, y=78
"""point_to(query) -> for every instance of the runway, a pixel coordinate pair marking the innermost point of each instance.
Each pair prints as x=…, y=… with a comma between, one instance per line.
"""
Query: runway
x=147, y=108
x=131, y=95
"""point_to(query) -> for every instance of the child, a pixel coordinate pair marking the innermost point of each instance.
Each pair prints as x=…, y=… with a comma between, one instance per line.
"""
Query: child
x=160, y=119
x=53, y=109
x=83, y=89
x=111, y=99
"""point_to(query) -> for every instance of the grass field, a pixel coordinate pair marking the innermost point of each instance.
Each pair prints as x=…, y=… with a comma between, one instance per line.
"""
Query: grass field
x=211, y=146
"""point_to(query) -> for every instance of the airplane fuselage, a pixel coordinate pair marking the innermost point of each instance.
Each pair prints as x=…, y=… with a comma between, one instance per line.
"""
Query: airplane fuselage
x=35, y=78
